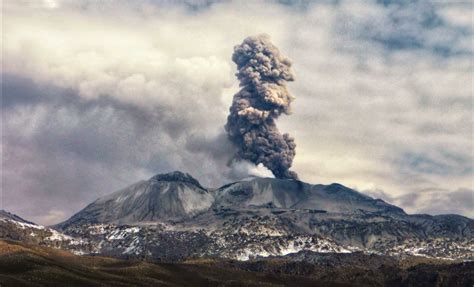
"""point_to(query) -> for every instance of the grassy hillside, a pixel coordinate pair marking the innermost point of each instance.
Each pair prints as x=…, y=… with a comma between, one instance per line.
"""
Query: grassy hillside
x=31, y=265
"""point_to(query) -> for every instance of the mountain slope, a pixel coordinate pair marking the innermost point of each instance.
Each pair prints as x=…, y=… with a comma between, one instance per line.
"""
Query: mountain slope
x=5, y=215
x=164, y=197
x=176, y=196
x=293, y=194
x=13, y=227
x=172, y=217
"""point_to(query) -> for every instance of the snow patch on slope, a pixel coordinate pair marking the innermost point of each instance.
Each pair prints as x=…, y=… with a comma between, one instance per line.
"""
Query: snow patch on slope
x=119, y=234
x=303, y=243
x=23, y=225
x=57, y=236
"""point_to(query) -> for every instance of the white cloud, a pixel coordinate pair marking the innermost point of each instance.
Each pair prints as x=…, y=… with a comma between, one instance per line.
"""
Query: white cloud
x=244, y=169
x=146, y=85
x=52, y=217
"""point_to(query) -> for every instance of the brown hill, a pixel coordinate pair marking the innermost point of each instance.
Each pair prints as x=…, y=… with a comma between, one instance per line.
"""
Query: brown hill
x=29, y=265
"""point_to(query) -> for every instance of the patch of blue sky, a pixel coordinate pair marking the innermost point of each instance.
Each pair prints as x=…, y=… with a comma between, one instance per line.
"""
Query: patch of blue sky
x=444, y=163
x=413, y=25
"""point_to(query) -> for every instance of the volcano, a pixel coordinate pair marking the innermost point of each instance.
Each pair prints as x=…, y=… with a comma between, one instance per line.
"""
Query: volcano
x=173, y=217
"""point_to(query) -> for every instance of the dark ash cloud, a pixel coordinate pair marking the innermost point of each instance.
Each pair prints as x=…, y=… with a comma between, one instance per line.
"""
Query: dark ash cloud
x=262, y=72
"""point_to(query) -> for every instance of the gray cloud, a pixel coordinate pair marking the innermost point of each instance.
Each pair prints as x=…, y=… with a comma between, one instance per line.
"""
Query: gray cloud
x=405, y=25
x=96, y=97
x=459, y=201
x=431, y=201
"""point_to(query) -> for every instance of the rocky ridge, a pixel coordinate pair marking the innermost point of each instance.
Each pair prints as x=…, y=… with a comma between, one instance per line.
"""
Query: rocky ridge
x=171, y=217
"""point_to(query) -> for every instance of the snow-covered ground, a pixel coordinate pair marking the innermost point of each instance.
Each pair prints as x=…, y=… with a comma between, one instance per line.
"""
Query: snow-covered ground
x=252, y=240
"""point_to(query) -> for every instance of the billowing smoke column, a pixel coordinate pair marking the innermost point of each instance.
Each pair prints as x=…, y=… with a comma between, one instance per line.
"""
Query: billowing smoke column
x=262, y=73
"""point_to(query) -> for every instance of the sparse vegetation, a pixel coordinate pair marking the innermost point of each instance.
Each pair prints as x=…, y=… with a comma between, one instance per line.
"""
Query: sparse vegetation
x=30, y=265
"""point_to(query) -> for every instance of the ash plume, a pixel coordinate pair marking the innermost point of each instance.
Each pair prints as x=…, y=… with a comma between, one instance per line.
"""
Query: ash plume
x=263, y=73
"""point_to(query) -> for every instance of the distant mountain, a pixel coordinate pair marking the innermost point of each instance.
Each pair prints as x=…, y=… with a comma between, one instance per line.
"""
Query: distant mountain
x=172, y=217
x=172, y=196
x=176, y=196
x=7, y=216
x=13, y=227
x=297, y=195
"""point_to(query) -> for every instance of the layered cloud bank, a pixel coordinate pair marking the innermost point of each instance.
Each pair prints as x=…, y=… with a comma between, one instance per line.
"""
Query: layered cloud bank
x=97, y=95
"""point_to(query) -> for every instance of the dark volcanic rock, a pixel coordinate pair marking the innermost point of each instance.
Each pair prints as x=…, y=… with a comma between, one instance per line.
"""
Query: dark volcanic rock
x=177, y=176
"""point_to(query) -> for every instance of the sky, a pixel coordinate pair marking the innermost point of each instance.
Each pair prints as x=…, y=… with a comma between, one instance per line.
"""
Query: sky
x=97, y=95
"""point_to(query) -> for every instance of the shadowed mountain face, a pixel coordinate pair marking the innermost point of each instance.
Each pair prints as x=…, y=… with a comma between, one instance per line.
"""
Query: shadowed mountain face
x=177, y=196
x=163, y=197
x=171, y=217
x=5, y=215
x=297, y=195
